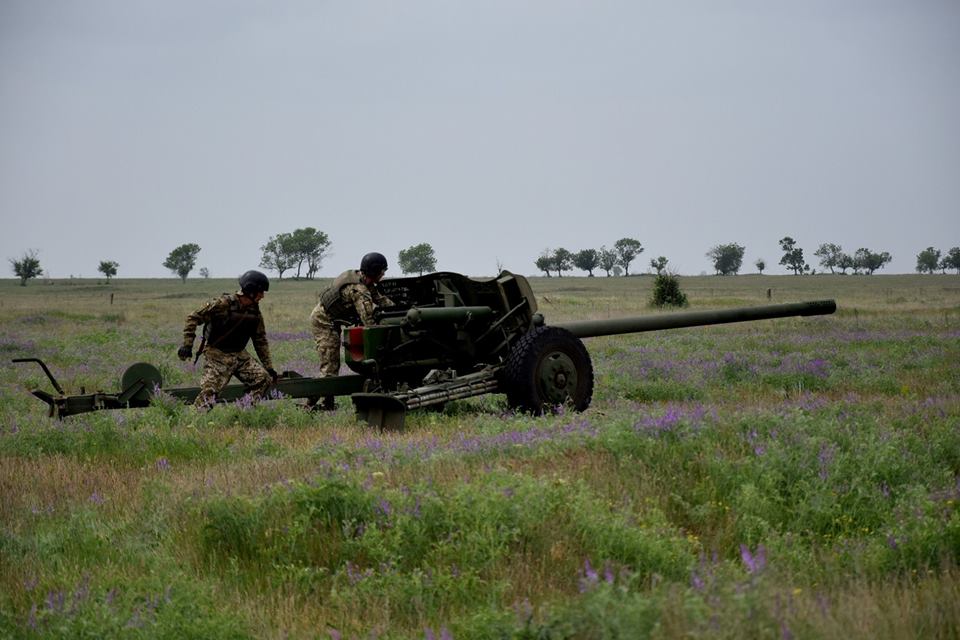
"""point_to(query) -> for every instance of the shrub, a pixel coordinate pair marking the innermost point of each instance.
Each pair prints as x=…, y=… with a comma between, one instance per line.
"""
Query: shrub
x=667, y=293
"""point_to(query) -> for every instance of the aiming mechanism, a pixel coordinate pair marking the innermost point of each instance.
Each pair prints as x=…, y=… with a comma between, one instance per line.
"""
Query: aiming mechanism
x=448, y=337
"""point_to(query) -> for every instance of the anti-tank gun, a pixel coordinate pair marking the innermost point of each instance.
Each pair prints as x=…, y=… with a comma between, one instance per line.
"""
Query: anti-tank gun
x=448, y=337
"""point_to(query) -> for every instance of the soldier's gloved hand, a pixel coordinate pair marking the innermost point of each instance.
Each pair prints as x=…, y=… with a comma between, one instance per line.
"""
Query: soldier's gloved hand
x=185, y=352
x=273, y=374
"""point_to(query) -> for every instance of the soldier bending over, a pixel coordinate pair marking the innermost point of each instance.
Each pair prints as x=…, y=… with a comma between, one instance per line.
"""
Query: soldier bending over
x=350, y=300
x=230, y=321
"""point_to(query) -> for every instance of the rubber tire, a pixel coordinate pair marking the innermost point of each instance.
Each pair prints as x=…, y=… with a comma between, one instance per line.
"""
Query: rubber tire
x=525, y=367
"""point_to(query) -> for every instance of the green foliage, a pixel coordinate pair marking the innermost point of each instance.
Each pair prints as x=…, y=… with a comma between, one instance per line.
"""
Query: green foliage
x=27, y=267
x=108, y=268
x=667, y=293
x=546, y=262
x=587, y=260
x=288, y=250
x=870, y=261
x=608, y=260
x=951, y=260
x=417, y=259
x=562, y=261
x=793, y=256
x=659, y=264
x=830, y=255
x=928, y=260
x=626, y=250
x=182, y=260
x=727, y=258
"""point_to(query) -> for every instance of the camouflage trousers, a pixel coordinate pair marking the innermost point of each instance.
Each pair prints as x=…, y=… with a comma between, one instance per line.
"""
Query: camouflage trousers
x=219, y=367
x=326, y=340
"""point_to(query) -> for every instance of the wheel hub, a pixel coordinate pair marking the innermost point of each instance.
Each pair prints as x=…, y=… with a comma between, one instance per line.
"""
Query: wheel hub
x=558, y=377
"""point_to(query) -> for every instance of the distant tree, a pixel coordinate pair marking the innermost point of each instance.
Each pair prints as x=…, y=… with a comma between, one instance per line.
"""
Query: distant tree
x=760, y=264
x=792, y=256
x=951, y=260
x=499, y=266
x=277, y=253
x=659, y=264
x=562, y=261
x=627, y=249
x=727, y=258
x=844, y=262
x=869, y=261
x=617, y=270
x=587, y=260
x=182, y=260
x=829, y=254
x=108, y=268
x=28, y=266
x=608, y=259
x=204, y=272
x=667, y=293
x=418, y=258
x=928, y=260
x=308, y=246
x=545, y=262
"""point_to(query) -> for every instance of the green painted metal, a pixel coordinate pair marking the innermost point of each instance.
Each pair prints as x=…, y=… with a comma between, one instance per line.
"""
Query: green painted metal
x=660, y=322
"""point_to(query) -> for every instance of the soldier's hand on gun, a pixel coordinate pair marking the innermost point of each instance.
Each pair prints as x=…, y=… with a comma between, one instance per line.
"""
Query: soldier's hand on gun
x=185, y=352
x=273, y=374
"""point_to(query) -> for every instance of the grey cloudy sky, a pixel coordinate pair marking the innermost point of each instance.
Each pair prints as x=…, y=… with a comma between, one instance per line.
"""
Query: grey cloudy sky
x=491, y=130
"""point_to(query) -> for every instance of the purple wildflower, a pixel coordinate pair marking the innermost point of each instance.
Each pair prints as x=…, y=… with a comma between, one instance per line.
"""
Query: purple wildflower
x=755, y=562
x=163, y=464
x=825, y=457
x=445, y=634
x=32, y=620
x=608, y=573
x=428, y=634
x=334, y=634
x=696, y=581
x=589, y=578
x=96, y=498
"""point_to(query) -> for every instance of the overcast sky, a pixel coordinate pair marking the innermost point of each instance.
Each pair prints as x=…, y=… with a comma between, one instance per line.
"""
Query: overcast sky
x=492, y=130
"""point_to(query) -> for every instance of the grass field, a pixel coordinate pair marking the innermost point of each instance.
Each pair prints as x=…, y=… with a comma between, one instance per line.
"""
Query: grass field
x=794, y=478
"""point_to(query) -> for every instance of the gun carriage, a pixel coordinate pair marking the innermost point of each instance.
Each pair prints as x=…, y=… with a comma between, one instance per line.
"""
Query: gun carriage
x=448, y=337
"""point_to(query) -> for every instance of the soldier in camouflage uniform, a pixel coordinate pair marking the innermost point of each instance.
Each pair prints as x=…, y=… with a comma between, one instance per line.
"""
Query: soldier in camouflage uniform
x=352, y=299
x=231, y=321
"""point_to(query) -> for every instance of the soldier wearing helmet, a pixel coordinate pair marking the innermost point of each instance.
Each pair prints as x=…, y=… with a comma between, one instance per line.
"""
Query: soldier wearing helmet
x=229, y=323
x=351, y=299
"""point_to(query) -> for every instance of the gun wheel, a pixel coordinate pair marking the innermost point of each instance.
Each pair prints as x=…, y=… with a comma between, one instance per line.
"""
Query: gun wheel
x=548, y=367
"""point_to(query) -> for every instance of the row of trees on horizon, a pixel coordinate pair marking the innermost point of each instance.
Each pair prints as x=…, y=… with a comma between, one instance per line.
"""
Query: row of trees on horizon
x=727, y=259
x=302, y=251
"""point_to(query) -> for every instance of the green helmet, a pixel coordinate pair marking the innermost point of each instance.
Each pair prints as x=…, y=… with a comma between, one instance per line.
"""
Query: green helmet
x=254, y=282
x=373, y=264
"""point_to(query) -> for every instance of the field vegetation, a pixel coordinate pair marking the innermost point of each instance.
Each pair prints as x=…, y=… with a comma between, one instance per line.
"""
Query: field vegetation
x=792, y=478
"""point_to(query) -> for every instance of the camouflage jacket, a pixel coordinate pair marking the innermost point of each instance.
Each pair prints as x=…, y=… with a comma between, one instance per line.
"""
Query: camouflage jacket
x=349, y=301
x=228, y=326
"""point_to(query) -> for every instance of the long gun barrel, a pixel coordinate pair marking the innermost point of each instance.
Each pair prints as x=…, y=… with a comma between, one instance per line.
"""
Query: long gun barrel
x=595, y=328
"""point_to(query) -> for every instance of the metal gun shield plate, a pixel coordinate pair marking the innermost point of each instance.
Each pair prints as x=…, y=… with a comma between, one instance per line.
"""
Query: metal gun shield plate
x=144, y=373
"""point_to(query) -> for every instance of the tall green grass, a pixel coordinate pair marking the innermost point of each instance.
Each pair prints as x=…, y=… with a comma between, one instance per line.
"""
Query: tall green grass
x=792, y=478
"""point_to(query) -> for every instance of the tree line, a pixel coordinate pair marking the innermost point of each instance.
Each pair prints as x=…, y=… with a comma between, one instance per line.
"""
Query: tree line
x=727, y=259
x=302, y=251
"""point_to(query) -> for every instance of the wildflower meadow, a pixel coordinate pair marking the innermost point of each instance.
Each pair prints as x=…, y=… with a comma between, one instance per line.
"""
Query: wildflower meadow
x=792, y=478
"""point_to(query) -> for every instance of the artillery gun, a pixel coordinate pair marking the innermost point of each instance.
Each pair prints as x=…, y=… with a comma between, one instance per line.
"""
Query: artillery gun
x=448, y=337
